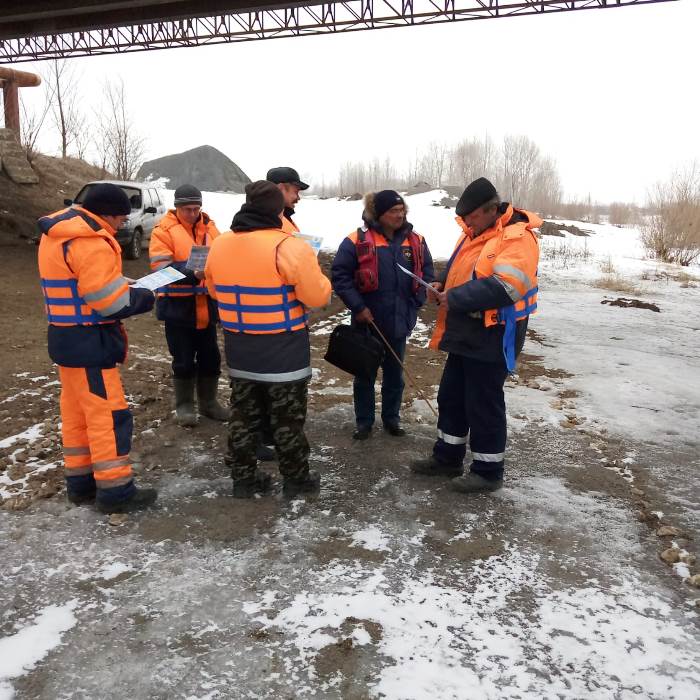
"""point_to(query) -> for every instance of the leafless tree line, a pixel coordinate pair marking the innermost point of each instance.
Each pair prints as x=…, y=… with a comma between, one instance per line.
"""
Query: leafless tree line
x=107, y=136
x=529, y=178
x=517, y=167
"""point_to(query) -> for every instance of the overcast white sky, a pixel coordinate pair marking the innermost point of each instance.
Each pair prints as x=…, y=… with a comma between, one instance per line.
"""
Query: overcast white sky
x=612, y=95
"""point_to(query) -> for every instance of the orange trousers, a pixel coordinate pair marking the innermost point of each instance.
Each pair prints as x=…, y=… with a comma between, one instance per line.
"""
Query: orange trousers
x=97, y=428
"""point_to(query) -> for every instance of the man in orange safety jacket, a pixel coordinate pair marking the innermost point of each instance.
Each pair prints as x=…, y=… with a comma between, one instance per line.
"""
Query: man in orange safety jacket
x=263, y=279
x=185, y=306
x=487, y=293
x=86, y=298
x=288, y=181
x=290, y=185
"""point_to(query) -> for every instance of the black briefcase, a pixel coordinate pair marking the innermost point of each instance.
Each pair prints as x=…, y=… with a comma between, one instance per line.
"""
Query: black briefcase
x=355, y=350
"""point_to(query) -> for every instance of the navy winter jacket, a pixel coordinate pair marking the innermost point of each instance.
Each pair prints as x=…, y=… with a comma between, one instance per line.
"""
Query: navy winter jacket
x=394, y=305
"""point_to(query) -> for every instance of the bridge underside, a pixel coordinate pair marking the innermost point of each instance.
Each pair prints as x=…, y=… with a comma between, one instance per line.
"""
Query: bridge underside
x=44, y=29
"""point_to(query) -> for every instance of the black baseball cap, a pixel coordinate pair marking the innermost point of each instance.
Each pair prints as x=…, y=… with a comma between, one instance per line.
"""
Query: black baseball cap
x=287, y=175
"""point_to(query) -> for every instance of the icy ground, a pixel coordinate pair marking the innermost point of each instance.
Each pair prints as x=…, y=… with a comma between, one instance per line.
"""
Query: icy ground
x=389, y=585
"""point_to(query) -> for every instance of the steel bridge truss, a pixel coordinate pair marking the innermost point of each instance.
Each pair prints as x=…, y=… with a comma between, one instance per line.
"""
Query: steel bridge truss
x=298, y=20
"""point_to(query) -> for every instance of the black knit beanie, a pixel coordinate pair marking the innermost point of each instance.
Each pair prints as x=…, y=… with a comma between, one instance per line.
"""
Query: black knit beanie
x=187, y=195
x=476, y=195
x=107, y=199
x=264, y=197
x=385, y=200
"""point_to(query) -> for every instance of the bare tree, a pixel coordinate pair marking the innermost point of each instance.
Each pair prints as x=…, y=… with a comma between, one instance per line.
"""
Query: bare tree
x=389, y=176
x=471, y=159
x=69, y=120
x=122, y=146
x=520, y=158
x=98, y=140
x=672, y=232
x=81, y=135
x=413, y=169
x=32, y=122
x=435, y=163
x=356, y=177
x=544, y=194
x=620, y=214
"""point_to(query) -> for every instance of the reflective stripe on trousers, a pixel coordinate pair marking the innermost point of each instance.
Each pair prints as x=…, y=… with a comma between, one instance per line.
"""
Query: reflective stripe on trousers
x=471, y=403
x=452, y=439
x=97, y=425
x=485, y=457
x=270, y=378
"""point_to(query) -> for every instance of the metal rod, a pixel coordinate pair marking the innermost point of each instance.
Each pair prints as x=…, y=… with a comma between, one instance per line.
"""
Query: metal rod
x=403, y=367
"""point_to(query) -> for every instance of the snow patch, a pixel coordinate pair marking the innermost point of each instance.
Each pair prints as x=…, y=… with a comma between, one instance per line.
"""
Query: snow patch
x=20, y=652
x=30, y=435
x=371, y=538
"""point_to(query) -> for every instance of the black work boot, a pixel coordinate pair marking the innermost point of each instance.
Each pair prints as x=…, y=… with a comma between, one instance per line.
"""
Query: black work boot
x=431, y=466
x=311, y=483
x=475, y=483
x=265, y=453
x=184, y=401
x=206, y=399
x=260, y=482
x=361, y=433
x=81, y=499
x=140, y=500
x=394, y=429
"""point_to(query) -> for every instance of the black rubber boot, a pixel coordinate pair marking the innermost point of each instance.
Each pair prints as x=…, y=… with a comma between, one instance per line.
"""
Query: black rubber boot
x=247, y=488
x=311, y=483
x=142, y=499
x=206, y=399
x=434, y=467
x=265, y=453
x=184, y=401
x=475, y=483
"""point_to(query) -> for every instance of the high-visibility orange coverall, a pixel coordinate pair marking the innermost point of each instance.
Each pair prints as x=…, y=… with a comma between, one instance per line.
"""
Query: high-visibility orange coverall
x=86, y=296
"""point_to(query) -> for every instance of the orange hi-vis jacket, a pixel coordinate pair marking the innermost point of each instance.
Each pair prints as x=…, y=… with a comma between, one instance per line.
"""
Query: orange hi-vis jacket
x=80, y=266
x=288, y=226
x=262, y=280
x=491, y=285
x=86, y=295
x=171, y=244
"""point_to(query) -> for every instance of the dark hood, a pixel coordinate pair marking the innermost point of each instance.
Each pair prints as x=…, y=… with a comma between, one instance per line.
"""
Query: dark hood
x=249, y=218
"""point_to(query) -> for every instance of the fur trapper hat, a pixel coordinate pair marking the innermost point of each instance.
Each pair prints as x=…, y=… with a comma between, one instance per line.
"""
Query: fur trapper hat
x=376, y=203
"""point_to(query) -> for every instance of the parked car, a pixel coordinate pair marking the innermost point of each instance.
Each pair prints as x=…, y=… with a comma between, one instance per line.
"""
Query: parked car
x=147, y=209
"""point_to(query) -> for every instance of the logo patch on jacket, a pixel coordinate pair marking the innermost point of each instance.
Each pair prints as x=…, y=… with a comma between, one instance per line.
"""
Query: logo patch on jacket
x=407, y=254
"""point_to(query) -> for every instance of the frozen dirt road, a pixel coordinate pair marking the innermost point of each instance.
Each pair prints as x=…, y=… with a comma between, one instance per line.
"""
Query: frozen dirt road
x=385, y=585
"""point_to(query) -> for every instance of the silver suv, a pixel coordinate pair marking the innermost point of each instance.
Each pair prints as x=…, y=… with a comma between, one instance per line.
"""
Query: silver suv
x=147, y=209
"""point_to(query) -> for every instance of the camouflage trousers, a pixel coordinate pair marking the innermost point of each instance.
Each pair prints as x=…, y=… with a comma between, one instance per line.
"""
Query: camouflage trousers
x=285, y=406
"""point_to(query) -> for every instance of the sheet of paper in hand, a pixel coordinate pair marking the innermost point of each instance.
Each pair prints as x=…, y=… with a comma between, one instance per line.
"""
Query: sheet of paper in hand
x=415, y=277
x=198, y=258
x=313, y=241
x=159, y=279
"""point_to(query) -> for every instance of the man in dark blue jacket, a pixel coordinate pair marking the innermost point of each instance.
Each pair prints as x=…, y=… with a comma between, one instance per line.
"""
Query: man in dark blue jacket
x=366, y=276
